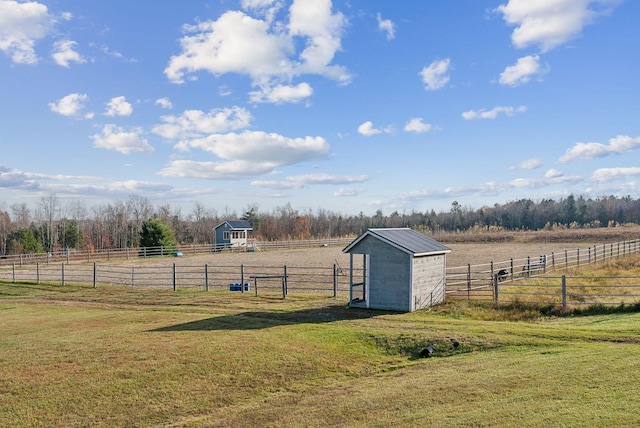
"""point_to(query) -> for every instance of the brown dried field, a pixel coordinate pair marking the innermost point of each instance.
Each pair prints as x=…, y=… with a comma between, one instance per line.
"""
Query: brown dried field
x=466, y=249
x=461, y=255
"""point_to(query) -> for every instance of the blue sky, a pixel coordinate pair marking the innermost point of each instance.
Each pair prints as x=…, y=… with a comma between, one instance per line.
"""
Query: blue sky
x=349, y=106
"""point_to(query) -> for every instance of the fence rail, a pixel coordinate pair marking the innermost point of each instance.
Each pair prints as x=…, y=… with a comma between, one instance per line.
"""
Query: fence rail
x=268, y=279
x=70, y=255
x=571, y=290
x=478, y=281
x=497, y=281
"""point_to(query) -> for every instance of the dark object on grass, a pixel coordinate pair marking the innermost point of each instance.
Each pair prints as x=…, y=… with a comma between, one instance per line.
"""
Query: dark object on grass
x=455, y=343
x=503, y=274
x=426, y=352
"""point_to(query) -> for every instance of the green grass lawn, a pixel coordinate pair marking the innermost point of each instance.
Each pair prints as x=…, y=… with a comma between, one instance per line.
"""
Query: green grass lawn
x=111, y=356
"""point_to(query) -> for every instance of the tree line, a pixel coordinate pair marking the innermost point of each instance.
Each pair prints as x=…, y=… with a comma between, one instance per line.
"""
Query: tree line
x=55, y=225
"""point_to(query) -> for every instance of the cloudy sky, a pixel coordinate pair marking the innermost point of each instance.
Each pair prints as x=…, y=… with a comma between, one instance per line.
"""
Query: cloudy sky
x=350, y=105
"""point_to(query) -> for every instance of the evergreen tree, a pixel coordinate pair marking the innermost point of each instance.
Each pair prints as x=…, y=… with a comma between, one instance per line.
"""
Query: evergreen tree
x=23, y=241
x=156, y=233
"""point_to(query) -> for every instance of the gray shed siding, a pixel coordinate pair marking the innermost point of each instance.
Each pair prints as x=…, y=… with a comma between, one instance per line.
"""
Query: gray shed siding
x=389, y=274
x=428, y=281
x=406, y=270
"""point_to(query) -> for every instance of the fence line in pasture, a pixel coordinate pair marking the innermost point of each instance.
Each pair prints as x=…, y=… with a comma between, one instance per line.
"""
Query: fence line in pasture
x=477, y=281
x=267, y=279
x=70, y=255
x=571, y=290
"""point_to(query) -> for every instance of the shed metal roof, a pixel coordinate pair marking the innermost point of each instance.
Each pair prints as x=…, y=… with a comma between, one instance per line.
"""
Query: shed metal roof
x=405, y=239
x=236, y=224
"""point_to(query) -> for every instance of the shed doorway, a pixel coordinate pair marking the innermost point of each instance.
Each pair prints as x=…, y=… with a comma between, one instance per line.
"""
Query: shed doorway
x=359, y=290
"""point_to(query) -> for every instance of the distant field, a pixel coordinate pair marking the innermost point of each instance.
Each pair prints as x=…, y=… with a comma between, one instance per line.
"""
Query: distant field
x=461, y=254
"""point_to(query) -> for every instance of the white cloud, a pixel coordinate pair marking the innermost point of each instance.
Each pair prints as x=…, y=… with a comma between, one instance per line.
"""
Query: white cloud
x=265, y=8
x=522, y=71
x=67, y=16
x=196, y=123
x=386, y=26
x=301, y=181
x=21, y=26
x=532, y=163
x=164, y=103
x=118, y=106
x=282, y=94
x=260, y=147
x=418, y=126
x=246, y=154
x=116, y=138
x=116, y=54
x=435, y=76
x=348, y=191
x=214, y=170
x=619, y=144
x=493, y=113
x=322, y=30
x=264, y=50
x=367, y=129
x=69, y=105
x=608, y=174
x=553, y=173
x=64, y=54
x=550, y=23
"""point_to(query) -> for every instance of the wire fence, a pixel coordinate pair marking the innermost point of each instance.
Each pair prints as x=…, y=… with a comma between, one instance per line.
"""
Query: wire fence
x=69, y=255
x=484, y=281
x=570, y=290
x=525, y=279
x=330, y=280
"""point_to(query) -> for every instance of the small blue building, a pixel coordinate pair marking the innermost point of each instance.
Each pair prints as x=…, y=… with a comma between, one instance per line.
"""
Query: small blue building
x=232, y=233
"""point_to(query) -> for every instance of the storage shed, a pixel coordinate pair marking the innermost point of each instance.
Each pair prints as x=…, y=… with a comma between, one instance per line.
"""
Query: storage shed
x=401, y=270
x=232, y=233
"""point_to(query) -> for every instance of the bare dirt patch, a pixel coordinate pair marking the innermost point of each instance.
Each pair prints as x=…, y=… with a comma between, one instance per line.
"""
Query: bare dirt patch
x=461, y=255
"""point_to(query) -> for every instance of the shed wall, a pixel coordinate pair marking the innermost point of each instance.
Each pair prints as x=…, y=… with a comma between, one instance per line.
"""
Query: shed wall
x=389, y=275
x=428, y=280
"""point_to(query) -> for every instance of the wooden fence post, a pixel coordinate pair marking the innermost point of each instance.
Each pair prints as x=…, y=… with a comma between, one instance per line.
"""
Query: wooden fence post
x=62, y=275
x=553, y=261
x=206, y=277
x=132, y=275
x=241, y=278
x=495, y=288
x=564, y=293
x=37, y=273
x=285, y=281
x=95, y=274
x=468, y=281
x=491, y=264
x=335, y=280
x=175, y=285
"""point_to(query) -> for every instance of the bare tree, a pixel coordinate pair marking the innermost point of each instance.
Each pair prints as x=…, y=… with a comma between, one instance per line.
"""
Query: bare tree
x=21, y=215
x=141, y=209
x=49, y=207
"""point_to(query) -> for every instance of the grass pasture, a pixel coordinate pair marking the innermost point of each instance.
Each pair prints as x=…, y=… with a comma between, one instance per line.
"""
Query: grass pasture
x=116, y=357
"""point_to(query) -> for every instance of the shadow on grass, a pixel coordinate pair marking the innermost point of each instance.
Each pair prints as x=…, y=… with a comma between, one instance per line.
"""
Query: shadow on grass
x=267, y=319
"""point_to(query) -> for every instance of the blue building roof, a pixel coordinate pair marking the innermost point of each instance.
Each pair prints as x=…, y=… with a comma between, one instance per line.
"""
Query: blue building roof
x=236, y=225
x=405, y=239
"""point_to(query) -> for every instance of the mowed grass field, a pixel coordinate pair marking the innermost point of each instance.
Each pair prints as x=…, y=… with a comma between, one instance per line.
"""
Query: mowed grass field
x=117, y=357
